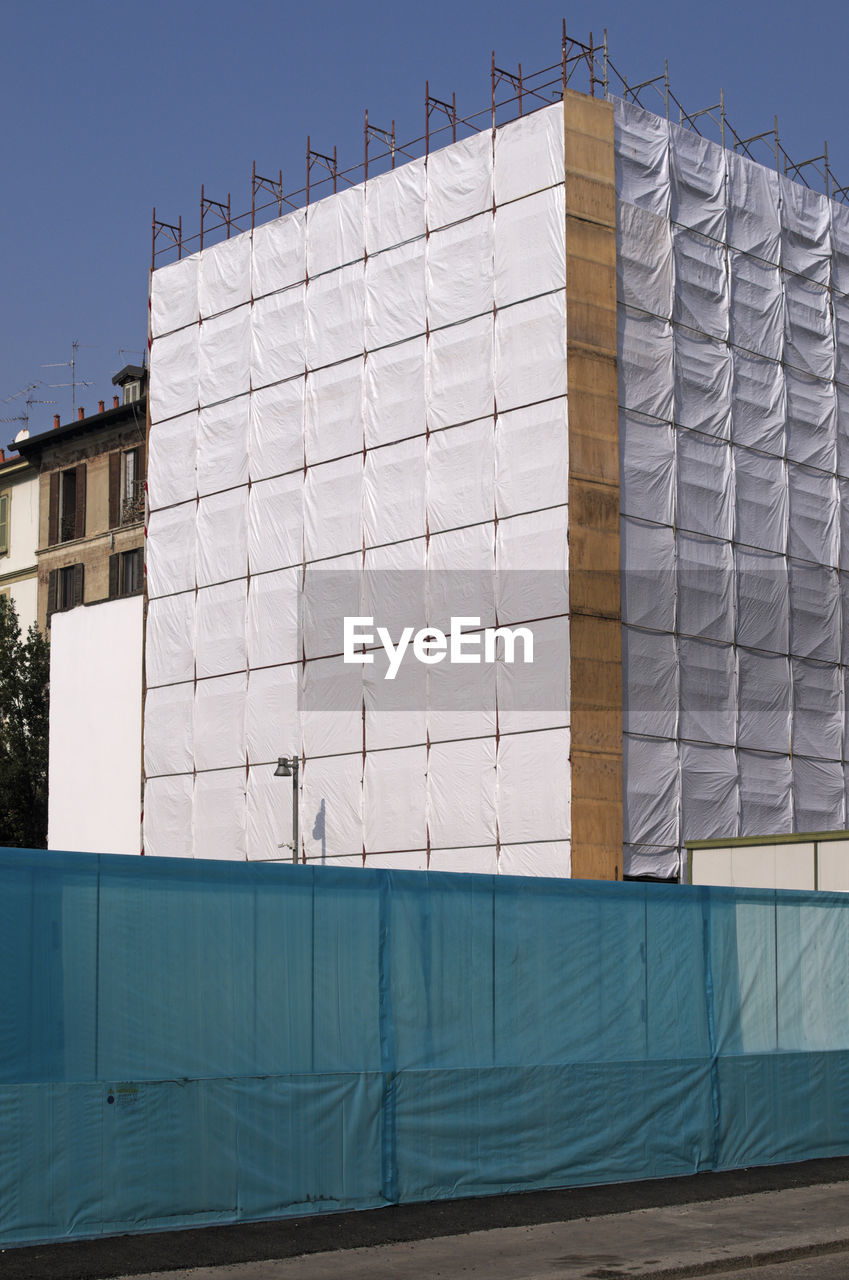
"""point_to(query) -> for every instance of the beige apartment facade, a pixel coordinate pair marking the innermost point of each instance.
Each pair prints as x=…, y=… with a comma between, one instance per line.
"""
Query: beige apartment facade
x=91, y=502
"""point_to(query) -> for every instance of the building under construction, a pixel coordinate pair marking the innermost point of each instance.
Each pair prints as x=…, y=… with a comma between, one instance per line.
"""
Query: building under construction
x=584, y=371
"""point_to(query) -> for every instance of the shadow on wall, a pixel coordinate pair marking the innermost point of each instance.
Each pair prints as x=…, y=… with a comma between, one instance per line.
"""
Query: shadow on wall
x=319, y=830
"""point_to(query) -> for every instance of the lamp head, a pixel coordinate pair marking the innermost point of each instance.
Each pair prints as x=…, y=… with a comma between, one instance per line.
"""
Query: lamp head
x=284, y=768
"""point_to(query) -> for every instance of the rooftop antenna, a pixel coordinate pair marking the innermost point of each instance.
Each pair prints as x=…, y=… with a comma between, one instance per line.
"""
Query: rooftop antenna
x=74, y=383
x=29, y=399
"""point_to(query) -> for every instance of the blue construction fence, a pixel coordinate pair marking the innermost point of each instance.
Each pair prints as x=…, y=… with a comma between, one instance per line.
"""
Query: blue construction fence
x=191, y=1042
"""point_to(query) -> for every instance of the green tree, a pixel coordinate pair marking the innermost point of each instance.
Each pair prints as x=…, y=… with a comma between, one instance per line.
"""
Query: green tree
x=24, y=715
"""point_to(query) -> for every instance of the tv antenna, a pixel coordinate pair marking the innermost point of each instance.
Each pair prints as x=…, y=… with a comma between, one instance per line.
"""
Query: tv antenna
x=75, y=382
x=29, y=399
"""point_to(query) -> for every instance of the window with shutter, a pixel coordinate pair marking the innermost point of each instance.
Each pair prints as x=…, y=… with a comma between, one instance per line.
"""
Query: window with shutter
x=65, y=588
x=53, y=509
x=79, y=510
x=52, y=592
x=114, y=490
x=67, y=505
x=131, y=486
x=5, y=503
x=126, y=570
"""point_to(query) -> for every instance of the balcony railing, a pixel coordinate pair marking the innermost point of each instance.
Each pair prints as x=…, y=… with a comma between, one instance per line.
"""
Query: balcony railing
x=132, y=504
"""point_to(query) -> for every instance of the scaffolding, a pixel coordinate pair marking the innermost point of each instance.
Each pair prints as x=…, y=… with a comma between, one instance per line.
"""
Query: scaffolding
x=583, y=64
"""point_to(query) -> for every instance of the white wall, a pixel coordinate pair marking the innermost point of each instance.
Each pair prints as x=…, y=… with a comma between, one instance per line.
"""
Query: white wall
x=95, y=728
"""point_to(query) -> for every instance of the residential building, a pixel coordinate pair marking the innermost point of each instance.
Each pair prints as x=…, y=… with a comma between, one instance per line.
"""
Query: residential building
x=19, y=535
x=91, y=501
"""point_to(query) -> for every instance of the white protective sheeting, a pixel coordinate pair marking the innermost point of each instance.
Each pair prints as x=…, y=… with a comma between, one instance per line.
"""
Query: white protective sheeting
x=333, y=808
x=395, y=207
x=710, y=793
x=531, y=458
x=333, y=420
x=272, y=715
x=460, y=380
x=395, y=294
x=222, y=536
x=276, y=523
x=219, y=814
x=219, y=722
x=168, y=816
x=395, y=800
x=642, y=158
x=531, y=796
x=647, y=485
x=278, y=338
x=701, y=283
x=174, y=374
x=529, y=155
x=220, y=629
x=530, y=339
x=460, y=271
x=224, y=276
x=170, y=644
x=644, y=260
x=224, y=356
x=269, y=816
x=335, y=231
x=168, y=738
x=174, y=296
x=172, y=459
x=171, y=550
x=733, y=431
x=394, y=487
x=394, y=397
x=273, y=617
x=530, y=248
x=369, y=419
x=277, y=429
x=335, y=312
x=461, y=475
x=278, y=257
x=222, y=446
x=697, y=178
x=459, y=180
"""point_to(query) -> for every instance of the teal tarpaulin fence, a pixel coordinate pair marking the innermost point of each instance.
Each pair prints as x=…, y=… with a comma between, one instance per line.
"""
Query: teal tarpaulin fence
x=191, y=1042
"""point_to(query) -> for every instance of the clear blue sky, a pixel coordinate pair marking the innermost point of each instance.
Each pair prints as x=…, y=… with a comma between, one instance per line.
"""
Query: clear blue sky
x=110, y=108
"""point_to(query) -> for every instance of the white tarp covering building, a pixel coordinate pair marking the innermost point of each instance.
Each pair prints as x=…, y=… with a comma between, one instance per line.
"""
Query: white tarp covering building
x=734, y=384
x=372, y=393
x=354, y=401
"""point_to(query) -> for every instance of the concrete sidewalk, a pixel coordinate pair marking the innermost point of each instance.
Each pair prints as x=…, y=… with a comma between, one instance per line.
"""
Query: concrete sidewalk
x=702, y=1215
x=707, y=1237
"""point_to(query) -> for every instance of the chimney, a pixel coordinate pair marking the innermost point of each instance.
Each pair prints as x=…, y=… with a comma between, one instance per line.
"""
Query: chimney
x=114, y=402
x=2, y=456
x=81, y=413
x=55, y=421
x=100, y=406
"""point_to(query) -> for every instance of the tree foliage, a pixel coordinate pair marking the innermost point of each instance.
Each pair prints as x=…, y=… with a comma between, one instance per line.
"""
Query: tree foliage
x=24, y=712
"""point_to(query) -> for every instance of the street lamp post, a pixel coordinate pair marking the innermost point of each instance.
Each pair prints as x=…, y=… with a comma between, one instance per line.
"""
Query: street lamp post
x=288, y=768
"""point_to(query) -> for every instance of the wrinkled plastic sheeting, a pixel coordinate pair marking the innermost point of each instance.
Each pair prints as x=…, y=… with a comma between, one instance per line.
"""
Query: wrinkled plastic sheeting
x=731, y=357
x=318, y=1012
